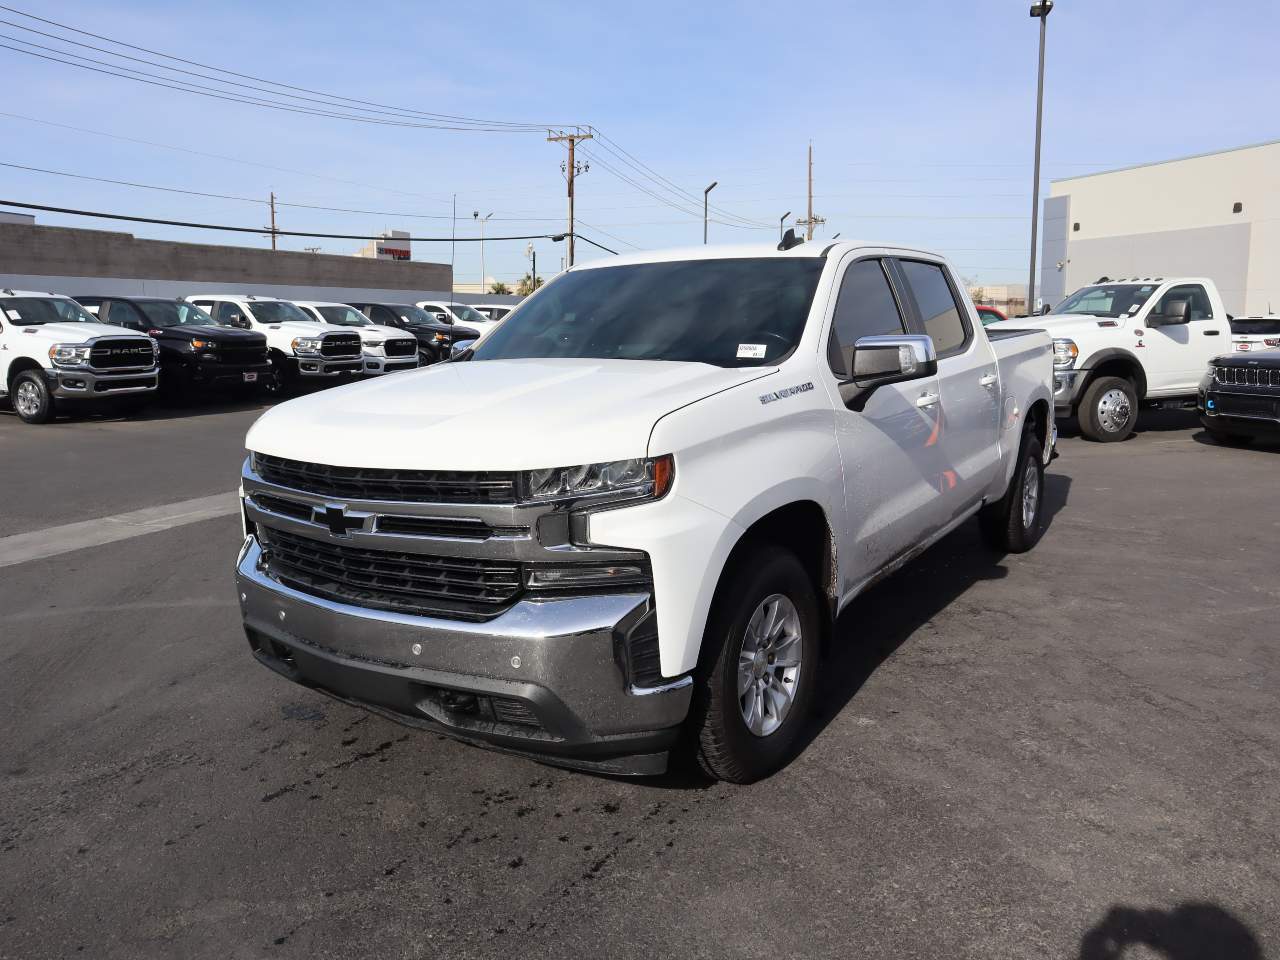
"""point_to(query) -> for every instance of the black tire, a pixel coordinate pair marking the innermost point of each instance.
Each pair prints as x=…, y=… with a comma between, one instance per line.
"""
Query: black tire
x=1006, y=526
x=1108, y=410
x=726, y=748
x=280, y=381
x=31, y=399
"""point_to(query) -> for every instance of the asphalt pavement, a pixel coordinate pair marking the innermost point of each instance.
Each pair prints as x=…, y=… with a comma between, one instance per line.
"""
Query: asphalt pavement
x=1062, y=754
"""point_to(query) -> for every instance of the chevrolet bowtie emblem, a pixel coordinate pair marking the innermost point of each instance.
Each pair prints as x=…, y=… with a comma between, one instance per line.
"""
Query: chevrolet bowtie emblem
x=339, y=522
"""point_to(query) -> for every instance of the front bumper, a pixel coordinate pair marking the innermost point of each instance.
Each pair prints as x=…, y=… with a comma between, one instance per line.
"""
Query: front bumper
x=377, y=366
x=85, y=383
x=322, y=367
x=541, y=679
x=1066, y=390
x=1261, y=420
x=224, y=375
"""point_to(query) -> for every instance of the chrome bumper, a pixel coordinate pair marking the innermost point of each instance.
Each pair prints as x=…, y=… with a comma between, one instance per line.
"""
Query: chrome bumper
x=377, y=366
x=84, y=383
x=1066, y=386
x=556, y=659
x=321, y=367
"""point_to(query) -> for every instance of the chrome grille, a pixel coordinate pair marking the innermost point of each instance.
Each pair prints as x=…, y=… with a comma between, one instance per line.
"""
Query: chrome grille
x=340, y=345
x=393, y=580
x=403, y=486
x=1248, y=376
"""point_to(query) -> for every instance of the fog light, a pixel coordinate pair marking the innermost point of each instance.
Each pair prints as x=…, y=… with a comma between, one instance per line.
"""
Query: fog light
x=584, y=575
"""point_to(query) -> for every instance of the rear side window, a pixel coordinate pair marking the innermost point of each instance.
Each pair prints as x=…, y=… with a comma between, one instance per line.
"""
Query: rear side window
x=941, y=315
x=865, y=307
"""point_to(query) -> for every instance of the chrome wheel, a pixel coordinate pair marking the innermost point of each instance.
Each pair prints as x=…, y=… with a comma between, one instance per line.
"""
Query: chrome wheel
x=27, y=399
x=1114, y=411
x=1030, y=495
x=769, y=664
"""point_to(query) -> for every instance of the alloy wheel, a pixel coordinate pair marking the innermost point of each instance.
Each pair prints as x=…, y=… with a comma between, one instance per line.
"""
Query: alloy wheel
x=769, y=663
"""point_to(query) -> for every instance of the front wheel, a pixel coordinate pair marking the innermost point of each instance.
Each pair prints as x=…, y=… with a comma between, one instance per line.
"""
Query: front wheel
x=759, y=666
x=1108, y=410
x=32, y=401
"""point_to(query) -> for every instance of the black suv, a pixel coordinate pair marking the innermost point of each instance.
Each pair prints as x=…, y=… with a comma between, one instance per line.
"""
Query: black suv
x=435, y=337
x=196, y=352
x=1240, y=397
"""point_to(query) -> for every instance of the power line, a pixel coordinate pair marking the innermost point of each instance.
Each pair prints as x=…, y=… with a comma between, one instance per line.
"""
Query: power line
x=283, y=233
x=526, y=126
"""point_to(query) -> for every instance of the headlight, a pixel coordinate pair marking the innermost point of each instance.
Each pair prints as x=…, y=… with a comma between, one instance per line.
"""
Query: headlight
x=1064, y=353
x=69, y=354
x=617, y=480
x=203, y=345
x=307, y=346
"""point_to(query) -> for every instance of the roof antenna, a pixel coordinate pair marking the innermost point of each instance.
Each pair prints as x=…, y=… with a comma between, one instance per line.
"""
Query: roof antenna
x=789, y=240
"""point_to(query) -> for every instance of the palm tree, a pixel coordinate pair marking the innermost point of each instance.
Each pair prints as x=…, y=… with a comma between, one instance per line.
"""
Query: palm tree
x=499, y=288
x=527, y=285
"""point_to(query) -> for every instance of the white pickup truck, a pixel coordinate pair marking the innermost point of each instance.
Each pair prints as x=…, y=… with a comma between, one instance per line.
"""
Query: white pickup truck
x=1119, y=344
x=54, y=354
x=301, y=349
x=627, y=521
x=386, y=349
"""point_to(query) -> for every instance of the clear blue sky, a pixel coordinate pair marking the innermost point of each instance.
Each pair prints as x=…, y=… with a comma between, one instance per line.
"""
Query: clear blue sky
x=921, y=114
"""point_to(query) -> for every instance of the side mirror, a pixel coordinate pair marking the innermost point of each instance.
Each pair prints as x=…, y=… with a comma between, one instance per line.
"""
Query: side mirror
x=1175, y=312
x=878, y=361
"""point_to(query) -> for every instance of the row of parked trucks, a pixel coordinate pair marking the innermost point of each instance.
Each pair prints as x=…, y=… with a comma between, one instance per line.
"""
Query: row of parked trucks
x=57, y=350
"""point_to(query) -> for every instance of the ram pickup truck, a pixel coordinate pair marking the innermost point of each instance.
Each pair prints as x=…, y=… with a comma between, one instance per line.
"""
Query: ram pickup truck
x=196, y=352
x=386, y=349
x=1122, y=344
x=54, y=355
x=436, y=334
x=462, y=313
x=301, y=349
x=627, y=521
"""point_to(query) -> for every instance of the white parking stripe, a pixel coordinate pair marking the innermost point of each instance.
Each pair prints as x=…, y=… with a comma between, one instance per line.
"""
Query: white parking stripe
x=51, y=541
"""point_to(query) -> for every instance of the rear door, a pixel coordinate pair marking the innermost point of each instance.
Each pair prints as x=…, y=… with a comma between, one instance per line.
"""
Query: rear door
x=889, y=449
x=968, y=384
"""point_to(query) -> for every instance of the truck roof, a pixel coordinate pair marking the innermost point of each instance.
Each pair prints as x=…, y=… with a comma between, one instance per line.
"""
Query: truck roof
x=6, y=293
x=811, y=249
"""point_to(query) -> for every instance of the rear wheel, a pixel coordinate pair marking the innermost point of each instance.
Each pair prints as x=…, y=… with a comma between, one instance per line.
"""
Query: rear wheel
x=759, y=666
x=1014, y=523
x=32, y=401
x=1108, y=410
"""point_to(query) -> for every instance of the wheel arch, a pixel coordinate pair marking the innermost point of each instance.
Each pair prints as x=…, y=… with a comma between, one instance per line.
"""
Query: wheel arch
x=19, y=365
x=1115, y=362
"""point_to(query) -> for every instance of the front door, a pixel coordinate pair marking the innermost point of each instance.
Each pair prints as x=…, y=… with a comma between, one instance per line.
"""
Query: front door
x=890, y=449
x=1175, y=355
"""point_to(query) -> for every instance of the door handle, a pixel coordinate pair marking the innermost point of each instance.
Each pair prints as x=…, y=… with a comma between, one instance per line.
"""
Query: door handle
x=1211, y=333
x=926, y=400
x=988, y=380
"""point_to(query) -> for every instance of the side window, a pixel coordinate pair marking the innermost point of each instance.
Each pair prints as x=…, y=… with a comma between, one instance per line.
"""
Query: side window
x=123, y=315
x=226, y=310
x=384, y=316
x=205, y=305
x=1198, y=307
x=865, y=307
x=941, y=314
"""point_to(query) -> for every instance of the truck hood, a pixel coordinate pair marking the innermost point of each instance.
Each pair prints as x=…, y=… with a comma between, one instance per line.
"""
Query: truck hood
x=303, y=328
x=75, y=332
x=492, y=415
x=1060, y=325
x=377, y=333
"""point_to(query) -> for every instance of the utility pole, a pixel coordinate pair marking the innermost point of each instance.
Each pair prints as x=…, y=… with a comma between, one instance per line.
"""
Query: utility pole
x=810, y=221
x=475, y=215
x=272, y=202
x=1039, y=11
x=571, y=170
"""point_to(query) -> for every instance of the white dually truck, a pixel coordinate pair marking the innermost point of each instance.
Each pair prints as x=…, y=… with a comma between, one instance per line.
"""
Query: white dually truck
x=1122, y=344
x=626, y=521
x=53, y=355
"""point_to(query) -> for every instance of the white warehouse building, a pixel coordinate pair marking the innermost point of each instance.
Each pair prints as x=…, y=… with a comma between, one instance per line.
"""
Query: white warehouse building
x=1212, y=215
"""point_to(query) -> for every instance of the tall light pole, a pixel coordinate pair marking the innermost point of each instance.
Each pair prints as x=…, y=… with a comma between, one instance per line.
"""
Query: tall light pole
x=475, y=215
x=704, y=210
x=782, y=220
x=533, y=271
x=1039, y=11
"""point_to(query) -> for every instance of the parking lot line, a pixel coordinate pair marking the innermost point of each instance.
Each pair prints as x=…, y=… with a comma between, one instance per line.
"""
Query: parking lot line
x=51, y=541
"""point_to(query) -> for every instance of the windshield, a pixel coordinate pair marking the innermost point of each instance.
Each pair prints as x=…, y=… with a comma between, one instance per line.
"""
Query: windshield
x=33, y=311
x=729, y=313
x=465, y=314
x=1108, y=300
x=175, y=313
x=411, y=314
x=1256, y=326
x=277, y=311
x=344, y=316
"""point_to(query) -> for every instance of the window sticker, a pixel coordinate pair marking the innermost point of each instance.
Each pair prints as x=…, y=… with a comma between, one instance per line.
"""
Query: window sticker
x=751, y=351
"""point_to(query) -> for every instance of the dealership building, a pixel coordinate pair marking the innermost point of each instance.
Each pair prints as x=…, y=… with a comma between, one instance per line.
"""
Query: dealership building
x=1213, y=215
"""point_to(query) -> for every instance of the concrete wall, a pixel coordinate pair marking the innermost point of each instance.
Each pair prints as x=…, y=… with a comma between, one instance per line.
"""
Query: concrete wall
x=1172, y=218
x=68, y=260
